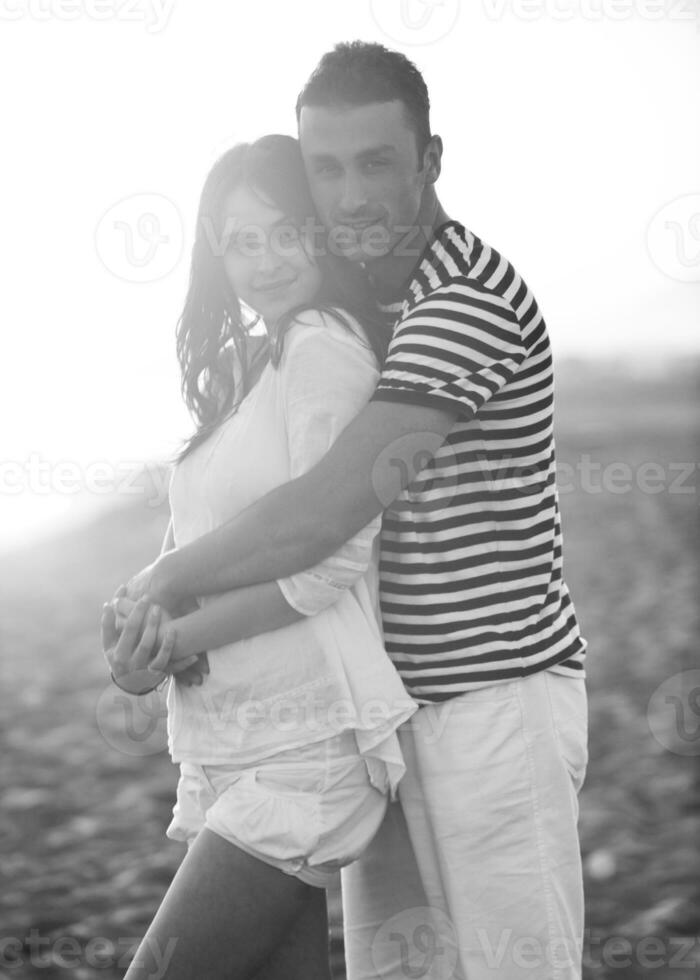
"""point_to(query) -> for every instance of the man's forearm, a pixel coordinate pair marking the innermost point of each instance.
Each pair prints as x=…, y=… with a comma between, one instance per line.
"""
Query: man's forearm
x=304, y=521
x=273, y=538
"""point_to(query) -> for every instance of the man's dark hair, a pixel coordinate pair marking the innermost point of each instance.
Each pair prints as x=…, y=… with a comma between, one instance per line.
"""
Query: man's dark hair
x=357, y=73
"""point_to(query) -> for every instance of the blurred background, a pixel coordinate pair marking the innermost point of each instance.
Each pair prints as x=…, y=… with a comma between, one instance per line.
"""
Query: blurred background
x=572, y=145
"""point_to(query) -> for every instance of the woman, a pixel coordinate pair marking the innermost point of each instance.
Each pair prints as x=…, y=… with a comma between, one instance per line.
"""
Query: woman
x=285, y=774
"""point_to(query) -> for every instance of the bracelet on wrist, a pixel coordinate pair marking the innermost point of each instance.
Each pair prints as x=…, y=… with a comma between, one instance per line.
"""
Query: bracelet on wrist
x=138, y=694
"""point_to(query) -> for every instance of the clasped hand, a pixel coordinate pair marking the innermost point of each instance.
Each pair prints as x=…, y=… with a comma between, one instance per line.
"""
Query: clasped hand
x=139, y=644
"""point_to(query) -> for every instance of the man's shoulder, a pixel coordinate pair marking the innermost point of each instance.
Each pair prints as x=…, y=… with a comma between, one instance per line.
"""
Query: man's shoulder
x=464, y=269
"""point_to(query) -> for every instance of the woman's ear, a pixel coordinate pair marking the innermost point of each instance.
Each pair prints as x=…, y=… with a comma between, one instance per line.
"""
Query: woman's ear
x=432, y=159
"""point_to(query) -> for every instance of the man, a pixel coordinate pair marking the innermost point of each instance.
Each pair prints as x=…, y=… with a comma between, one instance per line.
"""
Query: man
x=477, y=873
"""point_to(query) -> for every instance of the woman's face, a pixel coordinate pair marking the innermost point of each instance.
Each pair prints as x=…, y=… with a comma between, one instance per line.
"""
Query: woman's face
x=264, y=258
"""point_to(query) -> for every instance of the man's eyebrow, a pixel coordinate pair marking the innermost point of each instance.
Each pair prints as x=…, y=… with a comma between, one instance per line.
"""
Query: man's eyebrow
x=374, y=150
x=369, y=152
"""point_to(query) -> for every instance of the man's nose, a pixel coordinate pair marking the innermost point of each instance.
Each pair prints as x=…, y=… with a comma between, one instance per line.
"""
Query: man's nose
x=354, y=196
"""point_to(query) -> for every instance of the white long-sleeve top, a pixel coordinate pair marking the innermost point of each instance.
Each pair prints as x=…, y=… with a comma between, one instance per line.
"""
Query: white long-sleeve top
x=328, y=672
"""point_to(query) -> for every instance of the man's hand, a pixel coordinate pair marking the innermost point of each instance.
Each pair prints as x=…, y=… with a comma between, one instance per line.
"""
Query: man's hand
x=154, y=582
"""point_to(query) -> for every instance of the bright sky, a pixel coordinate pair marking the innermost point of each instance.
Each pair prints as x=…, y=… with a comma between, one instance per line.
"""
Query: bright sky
x=571, y=144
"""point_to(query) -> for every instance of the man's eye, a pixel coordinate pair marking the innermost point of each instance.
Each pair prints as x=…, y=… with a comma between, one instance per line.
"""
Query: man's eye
x=327, y=170
x=375, y=164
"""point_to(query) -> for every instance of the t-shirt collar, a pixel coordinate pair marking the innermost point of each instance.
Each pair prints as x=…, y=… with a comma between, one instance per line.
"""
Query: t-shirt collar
x=426, y=261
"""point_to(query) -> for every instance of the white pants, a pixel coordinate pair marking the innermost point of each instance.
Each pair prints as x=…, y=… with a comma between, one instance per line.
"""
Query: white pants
x=476, y=873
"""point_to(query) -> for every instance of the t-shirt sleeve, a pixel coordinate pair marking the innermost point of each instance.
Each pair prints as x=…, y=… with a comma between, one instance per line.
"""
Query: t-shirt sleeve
x=328, y=375
x=454, y=349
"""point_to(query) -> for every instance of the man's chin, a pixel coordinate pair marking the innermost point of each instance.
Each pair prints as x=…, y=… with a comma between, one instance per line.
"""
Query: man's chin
x=355, y=255
x=373, y=243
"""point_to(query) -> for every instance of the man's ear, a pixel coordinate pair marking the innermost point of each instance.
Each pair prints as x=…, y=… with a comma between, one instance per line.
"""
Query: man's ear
x=432, y=159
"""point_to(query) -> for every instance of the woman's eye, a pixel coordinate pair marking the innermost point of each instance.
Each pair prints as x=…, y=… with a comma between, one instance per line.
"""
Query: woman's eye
x=244, y=245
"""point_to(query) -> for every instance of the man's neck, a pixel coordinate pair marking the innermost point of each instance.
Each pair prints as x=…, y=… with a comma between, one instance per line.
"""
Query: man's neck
x=391, y=272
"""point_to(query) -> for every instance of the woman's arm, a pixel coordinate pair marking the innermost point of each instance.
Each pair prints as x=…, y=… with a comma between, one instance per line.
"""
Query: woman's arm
x=229, y=618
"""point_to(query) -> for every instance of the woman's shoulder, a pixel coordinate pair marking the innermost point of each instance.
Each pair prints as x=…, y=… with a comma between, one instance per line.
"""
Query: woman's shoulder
x=326, y=326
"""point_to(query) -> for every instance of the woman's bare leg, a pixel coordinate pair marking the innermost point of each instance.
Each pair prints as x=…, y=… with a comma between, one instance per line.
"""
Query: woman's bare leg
x=303, y=953
x=223, y=916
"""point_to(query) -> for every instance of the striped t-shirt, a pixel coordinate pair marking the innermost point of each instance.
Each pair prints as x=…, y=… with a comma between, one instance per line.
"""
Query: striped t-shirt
x=471, y=590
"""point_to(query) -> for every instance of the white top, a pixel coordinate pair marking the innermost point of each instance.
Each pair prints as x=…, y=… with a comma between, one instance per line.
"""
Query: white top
x=329, y=672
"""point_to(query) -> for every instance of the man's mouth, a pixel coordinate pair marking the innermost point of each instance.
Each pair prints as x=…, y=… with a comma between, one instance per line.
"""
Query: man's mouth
x=360, y=225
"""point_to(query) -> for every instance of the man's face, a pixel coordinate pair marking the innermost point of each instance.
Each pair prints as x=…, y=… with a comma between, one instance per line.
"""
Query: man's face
x=365, y=175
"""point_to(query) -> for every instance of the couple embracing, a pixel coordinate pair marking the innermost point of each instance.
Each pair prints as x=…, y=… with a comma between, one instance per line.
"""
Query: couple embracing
x=373, y=661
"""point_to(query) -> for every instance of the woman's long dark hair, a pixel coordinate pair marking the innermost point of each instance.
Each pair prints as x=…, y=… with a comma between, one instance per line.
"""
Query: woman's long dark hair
x=212, y=330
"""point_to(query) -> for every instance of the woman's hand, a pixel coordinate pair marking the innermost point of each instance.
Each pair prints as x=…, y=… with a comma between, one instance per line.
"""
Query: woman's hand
x=186, y=675
x=130, y=653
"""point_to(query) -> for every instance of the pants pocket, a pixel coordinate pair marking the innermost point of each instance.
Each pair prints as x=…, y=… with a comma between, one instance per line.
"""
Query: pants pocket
x=569, y=706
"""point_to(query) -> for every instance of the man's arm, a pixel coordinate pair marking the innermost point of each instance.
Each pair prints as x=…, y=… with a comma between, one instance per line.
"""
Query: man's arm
x=304, y=521
x=438, y=367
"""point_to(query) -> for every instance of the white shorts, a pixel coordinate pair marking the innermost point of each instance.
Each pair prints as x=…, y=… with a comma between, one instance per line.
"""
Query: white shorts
x=476, y=875
x=308, y=811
